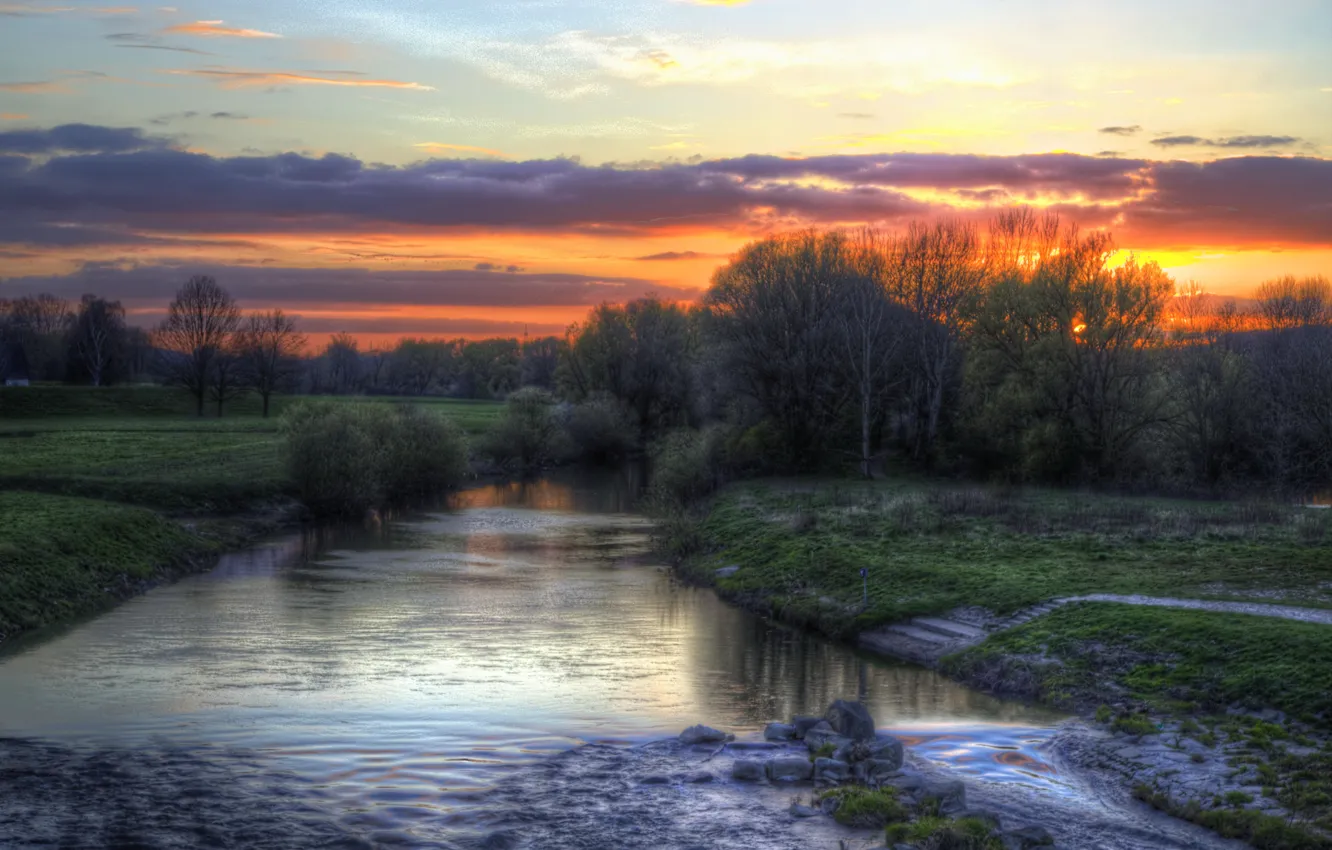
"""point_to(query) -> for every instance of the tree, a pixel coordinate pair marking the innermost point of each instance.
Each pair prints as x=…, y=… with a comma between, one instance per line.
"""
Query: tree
x=97, y=341
x=417, y=365
x=226, y=373
x=342, y=358
x=642, y=354
x=540, y=359
x=40, y=324
x=1290, y=302
x=270, y=349
x=198, y=328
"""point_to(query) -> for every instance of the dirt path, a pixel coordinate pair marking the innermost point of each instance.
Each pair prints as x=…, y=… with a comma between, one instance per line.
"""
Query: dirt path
x=925, y=640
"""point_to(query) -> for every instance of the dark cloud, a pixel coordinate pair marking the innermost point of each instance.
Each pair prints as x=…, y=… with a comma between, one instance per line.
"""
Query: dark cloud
x=1227, y=142
x=128, y=183
x=675, y=255
x=328, y=288
x=1129, y=130
x=496, y=267
x=78, y=138
x=229, y=116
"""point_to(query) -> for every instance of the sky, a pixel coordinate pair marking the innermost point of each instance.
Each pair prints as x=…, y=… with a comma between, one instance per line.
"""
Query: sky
x=495, y=167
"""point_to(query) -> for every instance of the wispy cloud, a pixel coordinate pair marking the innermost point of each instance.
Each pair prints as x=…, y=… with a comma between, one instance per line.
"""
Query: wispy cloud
x=442, y=147
x=13, y=116
x=1130, y=130
x=36, y=87
x=22, y=10
x=1227, y=142
x=214, y=29
x=229, y=78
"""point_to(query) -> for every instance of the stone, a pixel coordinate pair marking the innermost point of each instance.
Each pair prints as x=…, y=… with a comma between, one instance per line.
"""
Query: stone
x=828, y=805
x=883, y=748
x=703, y=735
x=951, y=794
x=655, y=779
x=822, y=735
x=699, y=777
x=801, y=811
x=831, y=770
x=727, y=572
x=779, y=732
x=880, y=769
x=791, y=769
x=755, y=746
x=1026, y=836
x=850, y=719
x=906, y=781
x=747, y=770
x=803, y=723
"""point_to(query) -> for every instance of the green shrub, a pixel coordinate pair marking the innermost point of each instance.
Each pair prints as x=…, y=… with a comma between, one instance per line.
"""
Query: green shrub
x=867, y=808
x=685, y=466
x=526, y=435
x=600, y=430
x=345, y=458
x=1103, y=714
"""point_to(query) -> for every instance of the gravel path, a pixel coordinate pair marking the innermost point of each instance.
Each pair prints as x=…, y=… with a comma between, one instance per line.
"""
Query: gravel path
x=1284, y=612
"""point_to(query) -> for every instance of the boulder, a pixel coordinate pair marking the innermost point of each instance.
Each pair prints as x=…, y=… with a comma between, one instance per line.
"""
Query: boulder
x=755, y=746
x=801, y=811
x=850, y=719
x=791, y=769
x=828, y=805
x=887, y=748
x=880, y=769
x=655, y=779
x=822, y=734
x=747, y=770
x=703, y=735
x=1025, y=837
x=779, y=732
x=906, y=781
x=803, y=723
x=831, y=770
x=951, y=794
x=699, y=777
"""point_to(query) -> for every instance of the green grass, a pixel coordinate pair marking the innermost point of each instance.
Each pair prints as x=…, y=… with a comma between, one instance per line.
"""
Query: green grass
x=1171, y=660
x=932, y=547
x=142, y=445
x=867, y=807
x=62, y=557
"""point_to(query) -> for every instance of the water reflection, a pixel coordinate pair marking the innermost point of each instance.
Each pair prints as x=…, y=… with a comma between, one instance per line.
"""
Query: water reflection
x=402, y=668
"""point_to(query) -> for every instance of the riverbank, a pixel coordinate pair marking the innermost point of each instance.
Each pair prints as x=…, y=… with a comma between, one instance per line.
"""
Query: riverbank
x=1250, y=690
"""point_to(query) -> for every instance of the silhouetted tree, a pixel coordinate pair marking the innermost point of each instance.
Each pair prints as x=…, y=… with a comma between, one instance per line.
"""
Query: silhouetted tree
x=270, y=348
x=197, y=330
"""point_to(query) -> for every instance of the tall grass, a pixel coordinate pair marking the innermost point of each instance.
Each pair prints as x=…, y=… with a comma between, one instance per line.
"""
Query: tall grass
x=345, y=458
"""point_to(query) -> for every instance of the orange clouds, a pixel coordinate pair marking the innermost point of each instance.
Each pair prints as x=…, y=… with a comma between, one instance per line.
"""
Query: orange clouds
x=214, y=29
x=13, y=116
x=228, y=78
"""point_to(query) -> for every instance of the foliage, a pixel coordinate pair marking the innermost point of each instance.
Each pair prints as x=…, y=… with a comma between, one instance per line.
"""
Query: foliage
x=527, y=435
x=940, y=833
x=600, y=430
x=684, y=466
x=866, y=808
x=345, y=458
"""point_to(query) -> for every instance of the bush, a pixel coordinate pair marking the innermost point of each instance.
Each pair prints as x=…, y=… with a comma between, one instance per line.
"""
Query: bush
x=600, y=430
x=346, y=458
x=867, y=808
x=526, y=435
x=685, y=467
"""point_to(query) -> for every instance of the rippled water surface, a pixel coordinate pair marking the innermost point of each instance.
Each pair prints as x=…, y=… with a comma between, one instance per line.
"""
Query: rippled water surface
x=388, y=679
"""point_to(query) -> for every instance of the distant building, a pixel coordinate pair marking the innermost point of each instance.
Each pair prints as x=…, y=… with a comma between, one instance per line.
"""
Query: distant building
x=15, y=366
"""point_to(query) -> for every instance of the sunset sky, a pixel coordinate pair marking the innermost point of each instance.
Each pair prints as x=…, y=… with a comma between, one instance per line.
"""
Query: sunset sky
x=474, y=167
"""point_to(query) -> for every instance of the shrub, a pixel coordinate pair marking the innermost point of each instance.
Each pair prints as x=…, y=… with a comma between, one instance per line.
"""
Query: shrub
x=345, y=457
x=600, y=430
x=527, y=435
x=685, y=466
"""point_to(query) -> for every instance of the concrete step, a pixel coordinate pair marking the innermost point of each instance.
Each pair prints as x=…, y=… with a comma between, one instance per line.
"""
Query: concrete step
x=949, y=628
x=922, y=635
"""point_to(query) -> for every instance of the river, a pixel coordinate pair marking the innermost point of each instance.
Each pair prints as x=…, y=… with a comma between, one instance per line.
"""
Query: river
x=403, y=683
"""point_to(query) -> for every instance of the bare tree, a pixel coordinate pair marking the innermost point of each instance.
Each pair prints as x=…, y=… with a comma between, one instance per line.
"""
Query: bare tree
x=227, y=374
x=40, y=323
x=342, y=356
x=198, y=329
x=98, y=337
x=270, y=349
x=1290, y=302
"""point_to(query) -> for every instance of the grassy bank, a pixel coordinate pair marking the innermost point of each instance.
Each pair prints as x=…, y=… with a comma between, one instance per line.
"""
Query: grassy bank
x=95, y=483
x=1253, y=692
x=930, y=548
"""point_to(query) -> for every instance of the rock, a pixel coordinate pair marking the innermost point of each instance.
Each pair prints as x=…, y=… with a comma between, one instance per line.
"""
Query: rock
x=800, y=811
x=727, y=572
x=655, y=779
x=755, y=746
x=951, y=794
x=823, y=734
x=906, y=781
x=831, y=770
x=850, y=719
x=1026, y=836
x=791, y=769
x=828, y=805
x=880, y=769
x=803, y=723
x=747, y=770
x=779, y=732
x=699, y=778
x=887, y=748
x=500, y=841
x=703, y=735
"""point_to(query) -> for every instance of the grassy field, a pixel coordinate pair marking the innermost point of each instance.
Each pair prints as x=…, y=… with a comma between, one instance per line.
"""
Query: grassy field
x=142, y=445
x=931, y=547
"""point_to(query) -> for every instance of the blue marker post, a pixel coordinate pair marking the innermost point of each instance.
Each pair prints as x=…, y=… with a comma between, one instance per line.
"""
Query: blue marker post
x=864, y=579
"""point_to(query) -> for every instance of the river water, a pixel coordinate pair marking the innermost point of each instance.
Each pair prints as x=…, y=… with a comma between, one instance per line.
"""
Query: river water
x=402, y=683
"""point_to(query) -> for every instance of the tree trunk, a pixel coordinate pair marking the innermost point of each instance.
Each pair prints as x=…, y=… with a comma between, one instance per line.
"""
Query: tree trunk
x=198, y=398
x=265, y=397
x=219, y=405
